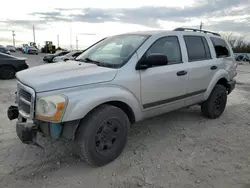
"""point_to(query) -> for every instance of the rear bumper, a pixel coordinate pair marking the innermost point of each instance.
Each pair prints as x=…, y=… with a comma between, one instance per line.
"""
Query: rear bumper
x=231, y=86
x=32, y=52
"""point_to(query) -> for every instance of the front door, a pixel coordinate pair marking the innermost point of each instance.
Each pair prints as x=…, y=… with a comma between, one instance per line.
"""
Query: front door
x=164, y=87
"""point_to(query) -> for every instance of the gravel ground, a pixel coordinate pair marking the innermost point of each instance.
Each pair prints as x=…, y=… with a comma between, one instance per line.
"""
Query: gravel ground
x=178, y=149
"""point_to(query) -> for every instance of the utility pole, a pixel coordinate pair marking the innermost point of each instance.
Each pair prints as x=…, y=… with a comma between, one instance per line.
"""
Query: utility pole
x=34, y=36
x=57, y=41
x=76, y=43
x=70, y=39
x=13, y=35
x=201, y=26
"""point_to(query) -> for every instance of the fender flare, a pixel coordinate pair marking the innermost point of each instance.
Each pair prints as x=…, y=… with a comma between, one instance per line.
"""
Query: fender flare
x=217, y=76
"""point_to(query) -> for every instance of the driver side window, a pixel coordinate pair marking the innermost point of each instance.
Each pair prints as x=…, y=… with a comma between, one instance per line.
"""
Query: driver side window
x=168, y=46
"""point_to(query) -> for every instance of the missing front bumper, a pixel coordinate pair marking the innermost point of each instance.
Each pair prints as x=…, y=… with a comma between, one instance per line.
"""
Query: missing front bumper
x=27, y=132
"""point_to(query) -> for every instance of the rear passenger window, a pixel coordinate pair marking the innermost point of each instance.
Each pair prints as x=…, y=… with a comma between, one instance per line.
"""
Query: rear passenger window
x=220, y=47
x=197, y=48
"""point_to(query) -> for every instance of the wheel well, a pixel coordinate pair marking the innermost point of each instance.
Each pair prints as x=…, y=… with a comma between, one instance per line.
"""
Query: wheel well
x=223, y=82
x=8, y=66
x=126, y=108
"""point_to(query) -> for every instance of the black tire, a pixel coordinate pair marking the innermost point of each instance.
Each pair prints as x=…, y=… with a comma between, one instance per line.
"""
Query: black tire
x=215, y=105
x=102, y=135
x=7, y=72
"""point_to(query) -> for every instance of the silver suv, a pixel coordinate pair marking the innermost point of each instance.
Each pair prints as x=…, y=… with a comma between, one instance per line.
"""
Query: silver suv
x=121, y=80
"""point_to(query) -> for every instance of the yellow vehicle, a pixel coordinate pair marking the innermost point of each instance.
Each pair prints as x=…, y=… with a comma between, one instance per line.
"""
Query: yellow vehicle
x=48, y=47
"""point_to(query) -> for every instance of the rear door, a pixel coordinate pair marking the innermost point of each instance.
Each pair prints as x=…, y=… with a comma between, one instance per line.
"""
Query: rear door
x=201, y=67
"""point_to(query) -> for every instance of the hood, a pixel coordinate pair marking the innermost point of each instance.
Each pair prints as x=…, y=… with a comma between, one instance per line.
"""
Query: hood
x=49, y=55
x=60, y=57
x=63, y=75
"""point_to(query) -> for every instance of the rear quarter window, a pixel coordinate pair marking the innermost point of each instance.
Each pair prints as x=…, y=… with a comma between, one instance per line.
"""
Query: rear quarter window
x=221, y=48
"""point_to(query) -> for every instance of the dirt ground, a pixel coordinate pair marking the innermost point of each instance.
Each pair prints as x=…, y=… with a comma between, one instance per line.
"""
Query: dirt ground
x=181, y=149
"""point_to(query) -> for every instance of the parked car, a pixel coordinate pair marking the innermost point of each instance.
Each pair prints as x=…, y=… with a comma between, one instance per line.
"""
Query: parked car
x=69, y=56
x=11, y=48
x=9, y=65
x=243, y=57
x=121, y=80
x=49, y=57
x=19, y=48
x=30, y=50
x=4, y=50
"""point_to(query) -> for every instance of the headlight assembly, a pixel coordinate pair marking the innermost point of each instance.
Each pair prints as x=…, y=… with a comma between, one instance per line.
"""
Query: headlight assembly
x=50, y=108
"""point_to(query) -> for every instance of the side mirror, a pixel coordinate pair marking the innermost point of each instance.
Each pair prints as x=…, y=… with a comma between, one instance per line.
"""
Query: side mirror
x=152, y=60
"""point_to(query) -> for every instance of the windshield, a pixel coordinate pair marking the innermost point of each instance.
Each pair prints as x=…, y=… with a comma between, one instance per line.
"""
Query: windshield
x=113, y=51
x=70, y=54
x=58, y=52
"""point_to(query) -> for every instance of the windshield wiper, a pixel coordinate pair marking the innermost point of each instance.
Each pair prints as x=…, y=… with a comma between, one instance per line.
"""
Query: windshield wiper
x=88, y=60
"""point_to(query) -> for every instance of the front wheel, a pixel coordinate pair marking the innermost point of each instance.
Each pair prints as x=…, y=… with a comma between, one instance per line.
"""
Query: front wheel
x=215, y=105
x=102, y=135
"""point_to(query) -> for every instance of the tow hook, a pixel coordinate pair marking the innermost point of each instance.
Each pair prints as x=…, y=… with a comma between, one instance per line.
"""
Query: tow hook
x=12, y=112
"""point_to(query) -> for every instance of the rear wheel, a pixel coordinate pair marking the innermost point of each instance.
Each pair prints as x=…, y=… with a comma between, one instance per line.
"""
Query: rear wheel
x=215, y=105
x=7, y=72
x=102, y=135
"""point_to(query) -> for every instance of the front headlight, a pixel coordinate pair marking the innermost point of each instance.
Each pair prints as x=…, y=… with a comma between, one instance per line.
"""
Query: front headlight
x=50, y=108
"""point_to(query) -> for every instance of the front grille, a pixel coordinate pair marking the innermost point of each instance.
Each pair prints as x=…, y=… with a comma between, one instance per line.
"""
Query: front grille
x=25, y=94
x=25, y=98
x=24, y=107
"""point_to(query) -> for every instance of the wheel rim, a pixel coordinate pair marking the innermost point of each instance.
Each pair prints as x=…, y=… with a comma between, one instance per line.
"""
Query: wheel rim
x=6, y=72
x=107, y=137
x=219, y=102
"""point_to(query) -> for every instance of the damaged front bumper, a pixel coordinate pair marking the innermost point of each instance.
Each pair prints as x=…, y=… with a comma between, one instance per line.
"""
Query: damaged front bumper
x=27, y=129
x=27, y=132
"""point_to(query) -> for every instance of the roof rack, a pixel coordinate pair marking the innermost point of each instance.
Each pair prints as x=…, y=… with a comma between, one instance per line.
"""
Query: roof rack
x=195, y=30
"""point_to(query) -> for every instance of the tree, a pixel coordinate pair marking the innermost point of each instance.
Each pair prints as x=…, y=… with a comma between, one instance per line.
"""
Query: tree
x=238, y=43
x=230, y=38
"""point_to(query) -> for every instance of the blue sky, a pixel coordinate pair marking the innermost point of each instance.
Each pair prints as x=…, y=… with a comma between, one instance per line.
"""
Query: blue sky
x=92, y=20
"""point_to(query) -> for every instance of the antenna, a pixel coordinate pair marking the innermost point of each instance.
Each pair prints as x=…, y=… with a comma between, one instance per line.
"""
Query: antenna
x=201, y=26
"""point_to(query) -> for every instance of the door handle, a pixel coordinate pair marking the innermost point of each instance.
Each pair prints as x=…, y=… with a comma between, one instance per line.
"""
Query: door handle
x=181, y=73
x=213, y=67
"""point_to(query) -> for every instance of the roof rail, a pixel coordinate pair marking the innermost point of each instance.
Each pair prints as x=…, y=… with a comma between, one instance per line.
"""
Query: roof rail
x=195, y=30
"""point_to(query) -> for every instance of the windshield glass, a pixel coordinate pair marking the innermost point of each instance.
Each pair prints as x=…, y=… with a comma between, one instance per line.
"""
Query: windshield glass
x=113, y=51
x=70, y=54
x=58, y=52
